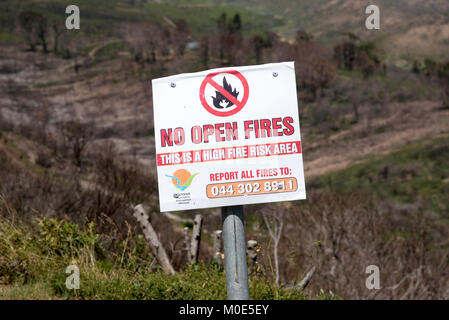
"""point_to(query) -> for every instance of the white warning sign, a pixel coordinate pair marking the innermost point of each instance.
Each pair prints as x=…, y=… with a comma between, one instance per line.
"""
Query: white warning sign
x=228, y=136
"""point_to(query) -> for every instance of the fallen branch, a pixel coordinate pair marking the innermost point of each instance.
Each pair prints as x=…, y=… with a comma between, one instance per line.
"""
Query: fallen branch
x=305, y=281
x=150, y=234
x=174, y=217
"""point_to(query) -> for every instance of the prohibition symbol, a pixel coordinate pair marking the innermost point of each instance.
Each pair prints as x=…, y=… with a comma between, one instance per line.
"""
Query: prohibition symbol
x=226, y=101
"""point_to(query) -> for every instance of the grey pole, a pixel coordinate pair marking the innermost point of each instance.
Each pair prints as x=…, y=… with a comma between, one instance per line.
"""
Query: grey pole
x=235, y=253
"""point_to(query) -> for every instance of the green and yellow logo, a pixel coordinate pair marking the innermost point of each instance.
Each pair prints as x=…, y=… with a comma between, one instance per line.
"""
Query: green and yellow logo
x=182, y=178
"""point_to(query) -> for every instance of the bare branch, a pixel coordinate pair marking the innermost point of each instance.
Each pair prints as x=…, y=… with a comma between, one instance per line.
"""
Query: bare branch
x=158, y=250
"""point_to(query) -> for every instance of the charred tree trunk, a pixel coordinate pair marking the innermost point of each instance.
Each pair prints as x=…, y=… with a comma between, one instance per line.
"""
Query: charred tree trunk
x=251, y=251
x=218, y=247
x=196, y=239
x=150, y=234
x=187, y=243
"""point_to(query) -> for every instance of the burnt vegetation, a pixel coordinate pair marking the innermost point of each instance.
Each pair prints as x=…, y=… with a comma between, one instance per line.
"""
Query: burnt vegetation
x=76, y=144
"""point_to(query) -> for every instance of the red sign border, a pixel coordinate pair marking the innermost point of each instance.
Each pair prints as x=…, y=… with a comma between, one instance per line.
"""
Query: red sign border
x=242, y=103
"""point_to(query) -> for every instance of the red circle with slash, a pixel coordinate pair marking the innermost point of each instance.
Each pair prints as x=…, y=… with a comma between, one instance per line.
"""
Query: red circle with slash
x=239, y=104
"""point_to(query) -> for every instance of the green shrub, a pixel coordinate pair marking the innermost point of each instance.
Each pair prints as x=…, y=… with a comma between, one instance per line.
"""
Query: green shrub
x=33, y=265
x=64, y=238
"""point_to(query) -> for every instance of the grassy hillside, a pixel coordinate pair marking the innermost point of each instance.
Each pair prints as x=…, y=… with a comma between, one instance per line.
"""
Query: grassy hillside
x=33, y=264
x=102, y=18
x=417, y=174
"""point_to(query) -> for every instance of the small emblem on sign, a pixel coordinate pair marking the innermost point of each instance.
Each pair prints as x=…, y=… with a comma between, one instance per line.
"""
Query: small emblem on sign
x=230, y=97
x=182, y=179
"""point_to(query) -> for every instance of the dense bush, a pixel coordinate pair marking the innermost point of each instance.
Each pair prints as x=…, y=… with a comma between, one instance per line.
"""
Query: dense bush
x=38, y=259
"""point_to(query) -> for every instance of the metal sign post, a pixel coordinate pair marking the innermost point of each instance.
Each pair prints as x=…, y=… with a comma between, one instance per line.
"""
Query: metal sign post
x=235, y=253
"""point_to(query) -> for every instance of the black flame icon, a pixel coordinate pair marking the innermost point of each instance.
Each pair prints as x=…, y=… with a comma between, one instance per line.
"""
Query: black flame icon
x=220, y=101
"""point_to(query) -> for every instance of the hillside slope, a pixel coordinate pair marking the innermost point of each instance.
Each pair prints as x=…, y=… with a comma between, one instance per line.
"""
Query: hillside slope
x=77, y=144
x=409, y=28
